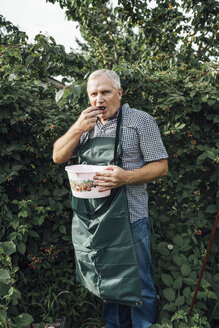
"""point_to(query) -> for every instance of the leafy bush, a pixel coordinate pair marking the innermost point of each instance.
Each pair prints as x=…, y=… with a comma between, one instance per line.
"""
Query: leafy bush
x=35, y=221
x=9, y=294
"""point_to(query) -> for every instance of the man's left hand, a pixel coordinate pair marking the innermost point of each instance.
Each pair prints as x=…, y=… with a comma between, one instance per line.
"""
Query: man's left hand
x=112, y=177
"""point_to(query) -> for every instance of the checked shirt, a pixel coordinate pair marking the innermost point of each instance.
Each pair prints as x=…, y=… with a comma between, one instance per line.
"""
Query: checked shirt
x=141, y=144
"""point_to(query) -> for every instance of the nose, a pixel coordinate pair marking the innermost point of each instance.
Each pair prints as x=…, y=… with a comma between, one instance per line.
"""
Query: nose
x=99, y=99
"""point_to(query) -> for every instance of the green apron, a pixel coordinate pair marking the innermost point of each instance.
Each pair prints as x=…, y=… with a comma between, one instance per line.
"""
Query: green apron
x=104, y=253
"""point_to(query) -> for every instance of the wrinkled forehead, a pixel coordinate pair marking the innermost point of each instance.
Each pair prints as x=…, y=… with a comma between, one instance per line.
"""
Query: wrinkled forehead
x=99, y=81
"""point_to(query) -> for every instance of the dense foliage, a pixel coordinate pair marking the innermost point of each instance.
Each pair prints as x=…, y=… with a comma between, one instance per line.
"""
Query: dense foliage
x=168, y=68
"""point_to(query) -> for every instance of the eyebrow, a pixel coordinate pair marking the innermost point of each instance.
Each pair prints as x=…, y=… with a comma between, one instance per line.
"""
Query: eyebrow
x=95, y=91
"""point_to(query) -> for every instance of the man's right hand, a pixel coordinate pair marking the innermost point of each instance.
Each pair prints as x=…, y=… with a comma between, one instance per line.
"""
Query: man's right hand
x=64, y=146
x=87, y=119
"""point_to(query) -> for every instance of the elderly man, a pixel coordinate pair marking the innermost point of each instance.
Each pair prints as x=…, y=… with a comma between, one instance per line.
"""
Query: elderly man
x=111, y=235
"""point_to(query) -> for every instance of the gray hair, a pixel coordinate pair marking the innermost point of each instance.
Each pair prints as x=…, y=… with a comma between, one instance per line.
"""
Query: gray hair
x=111, y=74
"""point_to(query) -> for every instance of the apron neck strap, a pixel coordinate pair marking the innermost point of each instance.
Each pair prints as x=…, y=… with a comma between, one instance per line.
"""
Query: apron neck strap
x=119, y=118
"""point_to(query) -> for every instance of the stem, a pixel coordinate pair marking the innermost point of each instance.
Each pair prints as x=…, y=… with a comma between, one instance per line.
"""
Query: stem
x=204, y=263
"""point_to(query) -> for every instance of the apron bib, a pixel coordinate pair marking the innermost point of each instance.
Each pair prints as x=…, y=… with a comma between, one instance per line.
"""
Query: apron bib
x=104, y=253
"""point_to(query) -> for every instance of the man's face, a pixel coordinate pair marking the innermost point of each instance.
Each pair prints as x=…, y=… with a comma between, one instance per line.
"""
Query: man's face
x=103, y=95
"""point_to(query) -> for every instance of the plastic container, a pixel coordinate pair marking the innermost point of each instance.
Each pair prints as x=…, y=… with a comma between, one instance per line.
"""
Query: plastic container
x=82, y=183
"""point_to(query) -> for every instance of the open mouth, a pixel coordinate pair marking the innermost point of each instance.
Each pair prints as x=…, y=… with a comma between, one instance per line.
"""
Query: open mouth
x=102, y=108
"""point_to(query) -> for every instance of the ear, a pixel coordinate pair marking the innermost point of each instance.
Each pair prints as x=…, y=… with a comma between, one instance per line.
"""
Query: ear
x=120, y=93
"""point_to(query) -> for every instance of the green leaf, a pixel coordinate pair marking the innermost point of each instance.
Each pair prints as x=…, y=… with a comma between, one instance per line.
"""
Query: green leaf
x=167, y=279
x=211, y=209
x=169, y=307
x=23, y=214
x=23, y=319
x=15, y=223
x=33, y=234
x=164, y=218
x=78, y=90
x=216, y=119
x=3, y=316
x=21, y=247
x=169, y=294
x=4, y=289
x=177, y=283
x=180, y=315
x=16, y=167
x=185, y=270
x=46, y=192
x=202, y=295
x=4, y=276
x=162, y=248
x=177, y=260
x=13, y=235
x=179, y=126
x=59, y=95
x=52, y=203
x=8, y=247
x=178, y=240
x=216, y=278
x=187, y=292
x=62, y=229
x=3, y=178
x=41, y=220
x=60, y=192
x=29, y=59
x=185, y=248
x=180, y=300
x=189, y=281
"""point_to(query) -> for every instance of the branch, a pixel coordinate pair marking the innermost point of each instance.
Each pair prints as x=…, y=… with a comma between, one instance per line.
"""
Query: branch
x=56, y=83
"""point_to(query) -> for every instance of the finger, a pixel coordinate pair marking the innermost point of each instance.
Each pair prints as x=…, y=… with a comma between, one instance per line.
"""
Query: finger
x=102, y=184
x=108, y=171
x=103, y=181
x=89, y=118
x=102, y=175
x=93, y=119
x=92, y=111
x=105, y=187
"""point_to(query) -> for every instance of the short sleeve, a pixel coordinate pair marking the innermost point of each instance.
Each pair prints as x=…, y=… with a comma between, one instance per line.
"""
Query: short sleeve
x=151, y=144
